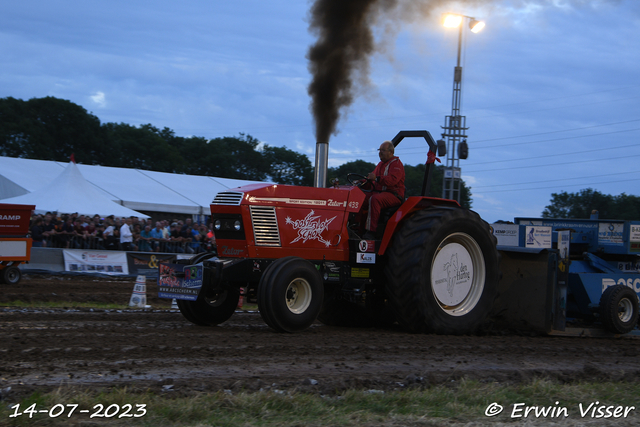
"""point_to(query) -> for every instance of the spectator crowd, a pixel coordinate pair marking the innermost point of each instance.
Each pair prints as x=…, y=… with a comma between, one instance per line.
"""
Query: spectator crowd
x=73, y=231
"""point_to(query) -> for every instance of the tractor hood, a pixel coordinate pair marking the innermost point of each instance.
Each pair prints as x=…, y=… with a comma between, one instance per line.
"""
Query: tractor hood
x=343, y=198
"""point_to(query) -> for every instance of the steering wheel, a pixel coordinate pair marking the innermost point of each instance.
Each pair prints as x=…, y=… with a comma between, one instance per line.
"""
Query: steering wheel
x=358, y=180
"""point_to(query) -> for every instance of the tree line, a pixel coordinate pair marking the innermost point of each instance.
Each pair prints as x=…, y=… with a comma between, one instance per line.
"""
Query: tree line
x=582, y=203
x=52, y=129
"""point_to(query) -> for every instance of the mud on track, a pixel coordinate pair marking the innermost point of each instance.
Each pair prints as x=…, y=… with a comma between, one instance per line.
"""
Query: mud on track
x=44, y=348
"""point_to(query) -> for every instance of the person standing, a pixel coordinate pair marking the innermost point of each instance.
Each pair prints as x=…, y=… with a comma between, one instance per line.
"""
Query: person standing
x=36, y=233
x=126, y=236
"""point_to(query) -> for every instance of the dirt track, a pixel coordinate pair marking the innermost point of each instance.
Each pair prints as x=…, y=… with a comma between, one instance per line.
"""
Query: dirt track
x=42, y=349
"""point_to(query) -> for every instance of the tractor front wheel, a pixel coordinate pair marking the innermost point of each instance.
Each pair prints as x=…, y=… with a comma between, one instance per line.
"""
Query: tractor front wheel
x=290, y=294
x=210, y=310
x=443, y=271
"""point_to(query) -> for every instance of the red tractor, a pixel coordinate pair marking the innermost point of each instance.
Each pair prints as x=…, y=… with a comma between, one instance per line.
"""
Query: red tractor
x=433, y=266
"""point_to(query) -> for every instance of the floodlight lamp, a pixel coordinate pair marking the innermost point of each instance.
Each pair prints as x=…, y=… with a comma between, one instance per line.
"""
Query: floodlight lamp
x=452, y=21
x=476, y=25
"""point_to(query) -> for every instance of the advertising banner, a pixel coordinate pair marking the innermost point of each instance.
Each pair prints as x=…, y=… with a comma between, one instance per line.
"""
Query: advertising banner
x=107, y=262
x=634, y=237
x=610, y=233
x=146, y=263
x=507, y=234
x=538, y=237
x=180, y=281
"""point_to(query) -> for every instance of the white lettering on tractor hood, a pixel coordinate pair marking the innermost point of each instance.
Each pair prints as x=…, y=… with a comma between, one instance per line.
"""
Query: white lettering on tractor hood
x=310, y=228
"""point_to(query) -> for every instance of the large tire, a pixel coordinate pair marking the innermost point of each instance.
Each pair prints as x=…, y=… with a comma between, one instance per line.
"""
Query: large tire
x=10, y=275
x=443, y=271
x=290, y=294
x=212, y=310
x=619, y=309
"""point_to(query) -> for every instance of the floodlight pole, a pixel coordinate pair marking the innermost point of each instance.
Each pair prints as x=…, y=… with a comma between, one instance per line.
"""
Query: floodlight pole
x=454, y=130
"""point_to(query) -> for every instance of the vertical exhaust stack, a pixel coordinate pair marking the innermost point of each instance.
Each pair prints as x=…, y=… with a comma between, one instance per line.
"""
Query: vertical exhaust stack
x=321, y=165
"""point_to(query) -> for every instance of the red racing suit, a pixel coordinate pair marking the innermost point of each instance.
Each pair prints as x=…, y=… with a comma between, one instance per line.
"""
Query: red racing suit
x=388, y=190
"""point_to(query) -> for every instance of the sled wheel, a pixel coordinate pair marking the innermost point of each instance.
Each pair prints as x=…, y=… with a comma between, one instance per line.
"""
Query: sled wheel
x=210, y=310
x=619, y=309
x=443, y=271
x=290, y=294
x=11, y=275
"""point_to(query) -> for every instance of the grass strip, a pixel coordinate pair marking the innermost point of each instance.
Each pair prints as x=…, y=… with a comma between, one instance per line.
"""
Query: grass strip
x=455, y=404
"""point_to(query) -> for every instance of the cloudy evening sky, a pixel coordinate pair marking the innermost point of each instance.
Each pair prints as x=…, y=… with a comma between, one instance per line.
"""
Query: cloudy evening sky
x=550, y=87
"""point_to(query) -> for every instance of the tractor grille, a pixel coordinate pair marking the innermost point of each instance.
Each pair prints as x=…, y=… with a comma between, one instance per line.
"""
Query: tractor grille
x=228, y=198
x=265, y=226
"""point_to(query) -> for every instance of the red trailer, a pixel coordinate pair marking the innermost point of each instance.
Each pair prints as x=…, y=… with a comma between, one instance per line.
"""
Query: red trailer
x=15, y=243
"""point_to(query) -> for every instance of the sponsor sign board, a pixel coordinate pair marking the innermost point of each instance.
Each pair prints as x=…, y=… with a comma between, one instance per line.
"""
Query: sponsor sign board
x=507, y=234
x=634, y=237
x=179, y=281
x=146, y=263
x=537, y=236
x=564, y=241
x=610, y=233
x=106, y=262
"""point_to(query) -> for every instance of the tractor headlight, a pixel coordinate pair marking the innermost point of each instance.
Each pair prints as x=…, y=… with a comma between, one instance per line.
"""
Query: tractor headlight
x=228, y=226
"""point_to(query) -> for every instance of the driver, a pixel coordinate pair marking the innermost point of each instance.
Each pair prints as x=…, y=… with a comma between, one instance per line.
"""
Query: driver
x=387, y=183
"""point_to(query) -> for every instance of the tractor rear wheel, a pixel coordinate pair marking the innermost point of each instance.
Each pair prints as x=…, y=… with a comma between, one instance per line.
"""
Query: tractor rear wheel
x=443, y=271
x=290, y=294
x=210, y=310
x=619, y=309
x=10, y=275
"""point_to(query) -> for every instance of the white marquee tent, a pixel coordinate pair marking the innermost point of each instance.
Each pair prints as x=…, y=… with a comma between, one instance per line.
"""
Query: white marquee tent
x=135, y=189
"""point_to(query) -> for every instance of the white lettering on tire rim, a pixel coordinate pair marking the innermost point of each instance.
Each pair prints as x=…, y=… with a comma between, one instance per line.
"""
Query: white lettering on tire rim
x=458, y=274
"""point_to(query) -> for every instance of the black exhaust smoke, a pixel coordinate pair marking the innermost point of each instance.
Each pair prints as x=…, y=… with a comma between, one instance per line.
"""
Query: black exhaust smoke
x=345, y=43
